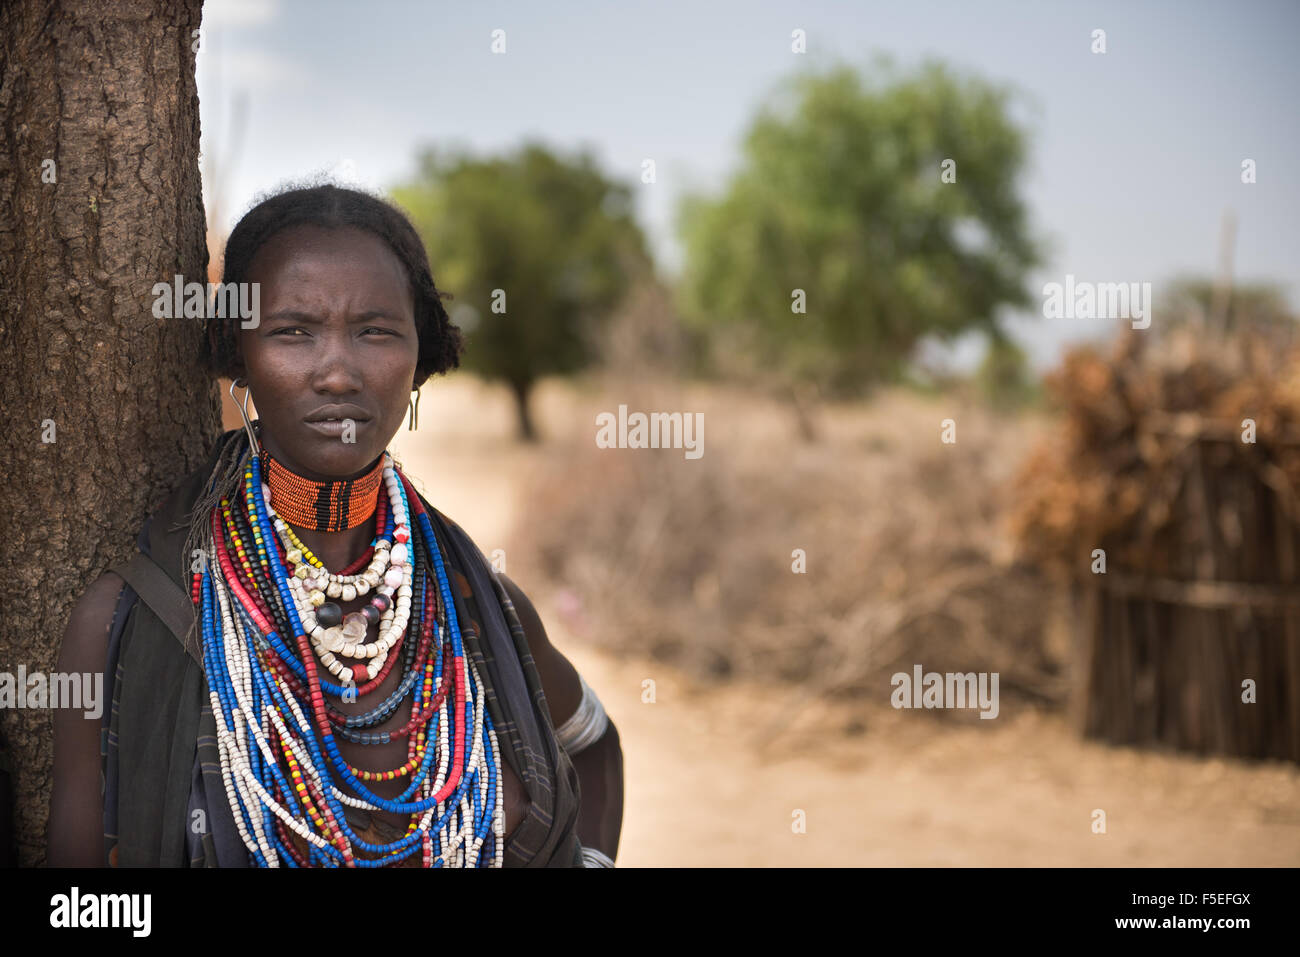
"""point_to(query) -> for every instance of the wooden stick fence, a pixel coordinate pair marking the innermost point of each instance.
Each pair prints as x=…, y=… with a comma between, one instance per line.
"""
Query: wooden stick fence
x=1164, y=660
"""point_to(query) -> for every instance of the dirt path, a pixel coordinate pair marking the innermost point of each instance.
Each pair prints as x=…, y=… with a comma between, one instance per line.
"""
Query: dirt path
x=701, y=789
x=911, y=791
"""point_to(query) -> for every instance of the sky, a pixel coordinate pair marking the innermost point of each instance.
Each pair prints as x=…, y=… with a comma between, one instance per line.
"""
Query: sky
x=1135, y=153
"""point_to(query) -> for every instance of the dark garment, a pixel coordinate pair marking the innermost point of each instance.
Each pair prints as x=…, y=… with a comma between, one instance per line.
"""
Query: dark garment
x=165, y=801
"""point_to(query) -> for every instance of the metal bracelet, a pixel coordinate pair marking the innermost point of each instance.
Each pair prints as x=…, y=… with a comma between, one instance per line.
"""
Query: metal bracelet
x=585, y=726
x=594, y=858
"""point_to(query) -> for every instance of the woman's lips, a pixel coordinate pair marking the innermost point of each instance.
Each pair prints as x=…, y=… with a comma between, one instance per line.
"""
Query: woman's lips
x=334, y=427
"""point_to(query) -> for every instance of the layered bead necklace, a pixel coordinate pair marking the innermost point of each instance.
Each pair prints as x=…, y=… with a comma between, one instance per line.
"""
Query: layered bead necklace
x=267, y=617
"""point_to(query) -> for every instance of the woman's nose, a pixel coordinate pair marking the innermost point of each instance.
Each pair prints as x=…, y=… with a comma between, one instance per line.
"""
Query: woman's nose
x=337, y=365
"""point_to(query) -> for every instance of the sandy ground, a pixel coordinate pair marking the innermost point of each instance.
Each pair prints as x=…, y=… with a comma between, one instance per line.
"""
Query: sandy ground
x=709, y=782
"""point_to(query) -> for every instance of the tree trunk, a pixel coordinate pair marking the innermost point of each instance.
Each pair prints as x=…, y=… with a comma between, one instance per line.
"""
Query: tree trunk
x=521, y=391
x=104, y=406
x=805, y=398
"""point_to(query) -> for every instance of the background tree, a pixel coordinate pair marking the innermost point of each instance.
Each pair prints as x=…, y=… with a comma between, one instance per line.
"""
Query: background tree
x=549, y=238
x=842, y=194
x=99, y=199
x=1004, y=377
x=1231, y=306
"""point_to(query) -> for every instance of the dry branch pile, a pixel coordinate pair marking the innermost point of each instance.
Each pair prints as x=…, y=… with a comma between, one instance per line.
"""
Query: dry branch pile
x=691, y=561
x=1179, y=457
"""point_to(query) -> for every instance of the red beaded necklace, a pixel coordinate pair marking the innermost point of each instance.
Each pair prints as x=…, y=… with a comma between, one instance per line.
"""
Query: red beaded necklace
x=330, y=506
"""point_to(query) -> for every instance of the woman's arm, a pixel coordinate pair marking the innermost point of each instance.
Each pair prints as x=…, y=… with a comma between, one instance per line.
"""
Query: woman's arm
x=75, y=832
x=600, y=766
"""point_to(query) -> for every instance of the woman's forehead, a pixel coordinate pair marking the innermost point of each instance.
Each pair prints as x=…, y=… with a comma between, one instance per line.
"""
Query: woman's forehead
x=306, y=243
x=304, y=257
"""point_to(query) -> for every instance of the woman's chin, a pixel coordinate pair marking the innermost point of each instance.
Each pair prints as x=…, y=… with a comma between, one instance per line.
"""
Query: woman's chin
x=323, y=457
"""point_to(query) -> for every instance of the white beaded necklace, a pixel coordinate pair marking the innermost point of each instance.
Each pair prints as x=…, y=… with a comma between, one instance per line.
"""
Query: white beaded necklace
x=389, y=573
x=245, y=790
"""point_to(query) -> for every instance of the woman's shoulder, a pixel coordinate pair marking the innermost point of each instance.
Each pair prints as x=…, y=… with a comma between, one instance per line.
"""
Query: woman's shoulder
x=558, y=677
x=85, y=640
x=87, y=634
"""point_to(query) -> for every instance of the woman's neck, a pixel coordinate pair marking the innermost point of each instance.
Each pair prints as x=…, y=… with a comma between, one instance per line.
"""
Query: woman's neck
x=298, y=499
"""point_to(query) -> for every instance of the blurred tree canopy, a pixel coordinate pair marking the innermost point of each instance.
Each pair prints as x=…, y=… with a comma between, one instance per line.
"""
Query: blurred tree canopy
x=537, y=251
x=842, y=194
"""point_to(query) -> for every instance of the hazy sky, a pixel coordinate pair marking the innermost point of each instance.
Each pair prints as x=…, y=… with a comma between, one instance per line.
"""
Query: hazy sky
x=1135, y=153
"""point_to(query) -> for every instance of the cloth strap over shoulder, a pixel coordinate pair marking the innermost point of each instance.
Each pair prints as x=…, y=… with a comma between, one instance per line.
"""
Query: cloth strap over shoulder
x=165, y=598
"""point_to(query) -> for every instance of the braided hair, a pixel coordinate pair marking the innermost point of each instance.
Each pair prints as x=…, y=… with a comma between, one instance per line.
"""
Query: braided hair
x=336, y=207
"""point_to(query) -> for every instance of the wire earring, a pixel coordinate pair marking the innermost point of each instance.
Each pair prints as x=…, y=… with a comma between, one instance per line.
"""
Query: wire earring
x=243, y=411
x=413, y=419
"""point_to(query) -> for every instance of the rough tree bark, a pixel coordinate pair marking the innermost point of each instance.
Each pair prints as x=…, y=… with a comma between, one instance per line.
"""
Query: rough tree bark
x=106, y=93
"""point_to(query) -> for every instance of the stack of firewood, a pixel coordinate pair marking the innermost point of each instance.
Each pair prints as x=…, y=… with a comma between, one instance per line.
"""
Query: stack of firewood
x=1169, y=500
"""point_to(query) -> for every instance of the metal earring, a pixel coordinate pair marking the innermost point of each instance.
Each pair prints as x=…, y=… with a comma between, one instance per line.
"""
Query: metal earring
x=243, y=410
x=414, y=415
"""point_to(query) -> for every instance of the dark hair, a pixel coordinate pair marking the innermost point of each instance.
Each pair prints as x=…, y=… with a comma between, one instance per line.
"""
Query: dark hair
x=335, y=207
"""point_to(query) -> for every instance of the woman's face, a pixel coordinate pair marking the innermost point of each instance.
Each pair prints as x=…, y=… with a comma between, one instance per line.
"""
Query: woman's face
x=337, y=340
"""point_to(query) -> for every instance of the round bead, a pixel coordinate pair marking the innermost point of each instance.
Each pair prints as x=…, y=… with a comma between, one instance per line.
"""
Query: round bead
x=329, y=614
x=349, y=593
x=371, y=614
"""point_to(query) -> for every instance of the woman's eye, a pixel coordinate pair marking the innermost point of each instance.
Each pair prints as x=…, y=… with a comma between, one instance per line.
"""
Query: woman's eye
x=292, y=330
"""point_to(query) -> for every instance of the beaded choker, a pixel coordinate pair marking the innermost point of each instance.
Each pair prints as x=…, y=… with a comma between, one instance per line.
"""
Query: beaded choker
x=323, y=506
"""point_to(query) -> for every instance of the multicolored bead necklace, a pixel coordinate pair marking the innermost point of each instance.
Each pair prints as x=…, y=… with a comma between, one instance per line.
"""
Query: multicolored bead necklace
x=267, y=617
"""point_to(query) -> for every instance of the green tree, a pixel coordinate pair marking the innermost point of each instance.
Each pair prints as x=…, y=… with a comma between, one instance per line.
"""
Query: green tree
x=842, y=194
x=537, y=251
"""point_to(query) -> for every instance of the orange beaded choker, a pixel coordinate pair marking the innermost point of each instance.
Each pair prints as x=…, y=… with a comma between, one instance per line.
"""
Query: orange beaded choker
x=323, y=506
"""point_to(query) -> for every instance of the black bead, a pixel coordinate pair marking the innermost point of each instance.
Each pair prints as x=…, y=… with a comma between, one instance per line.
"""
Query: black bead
x=371, y=614
x=382, y=602
x=329, y=615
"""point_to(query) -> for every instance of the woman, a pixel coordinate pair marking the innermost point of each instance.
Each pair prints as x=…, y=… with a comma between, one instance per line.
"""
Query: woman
x=358, y=687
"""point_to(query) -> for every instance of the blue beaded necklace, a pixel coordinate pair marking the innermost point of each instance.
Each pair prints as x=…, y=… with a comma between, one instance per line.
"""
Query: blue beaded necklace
x=243, y=629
